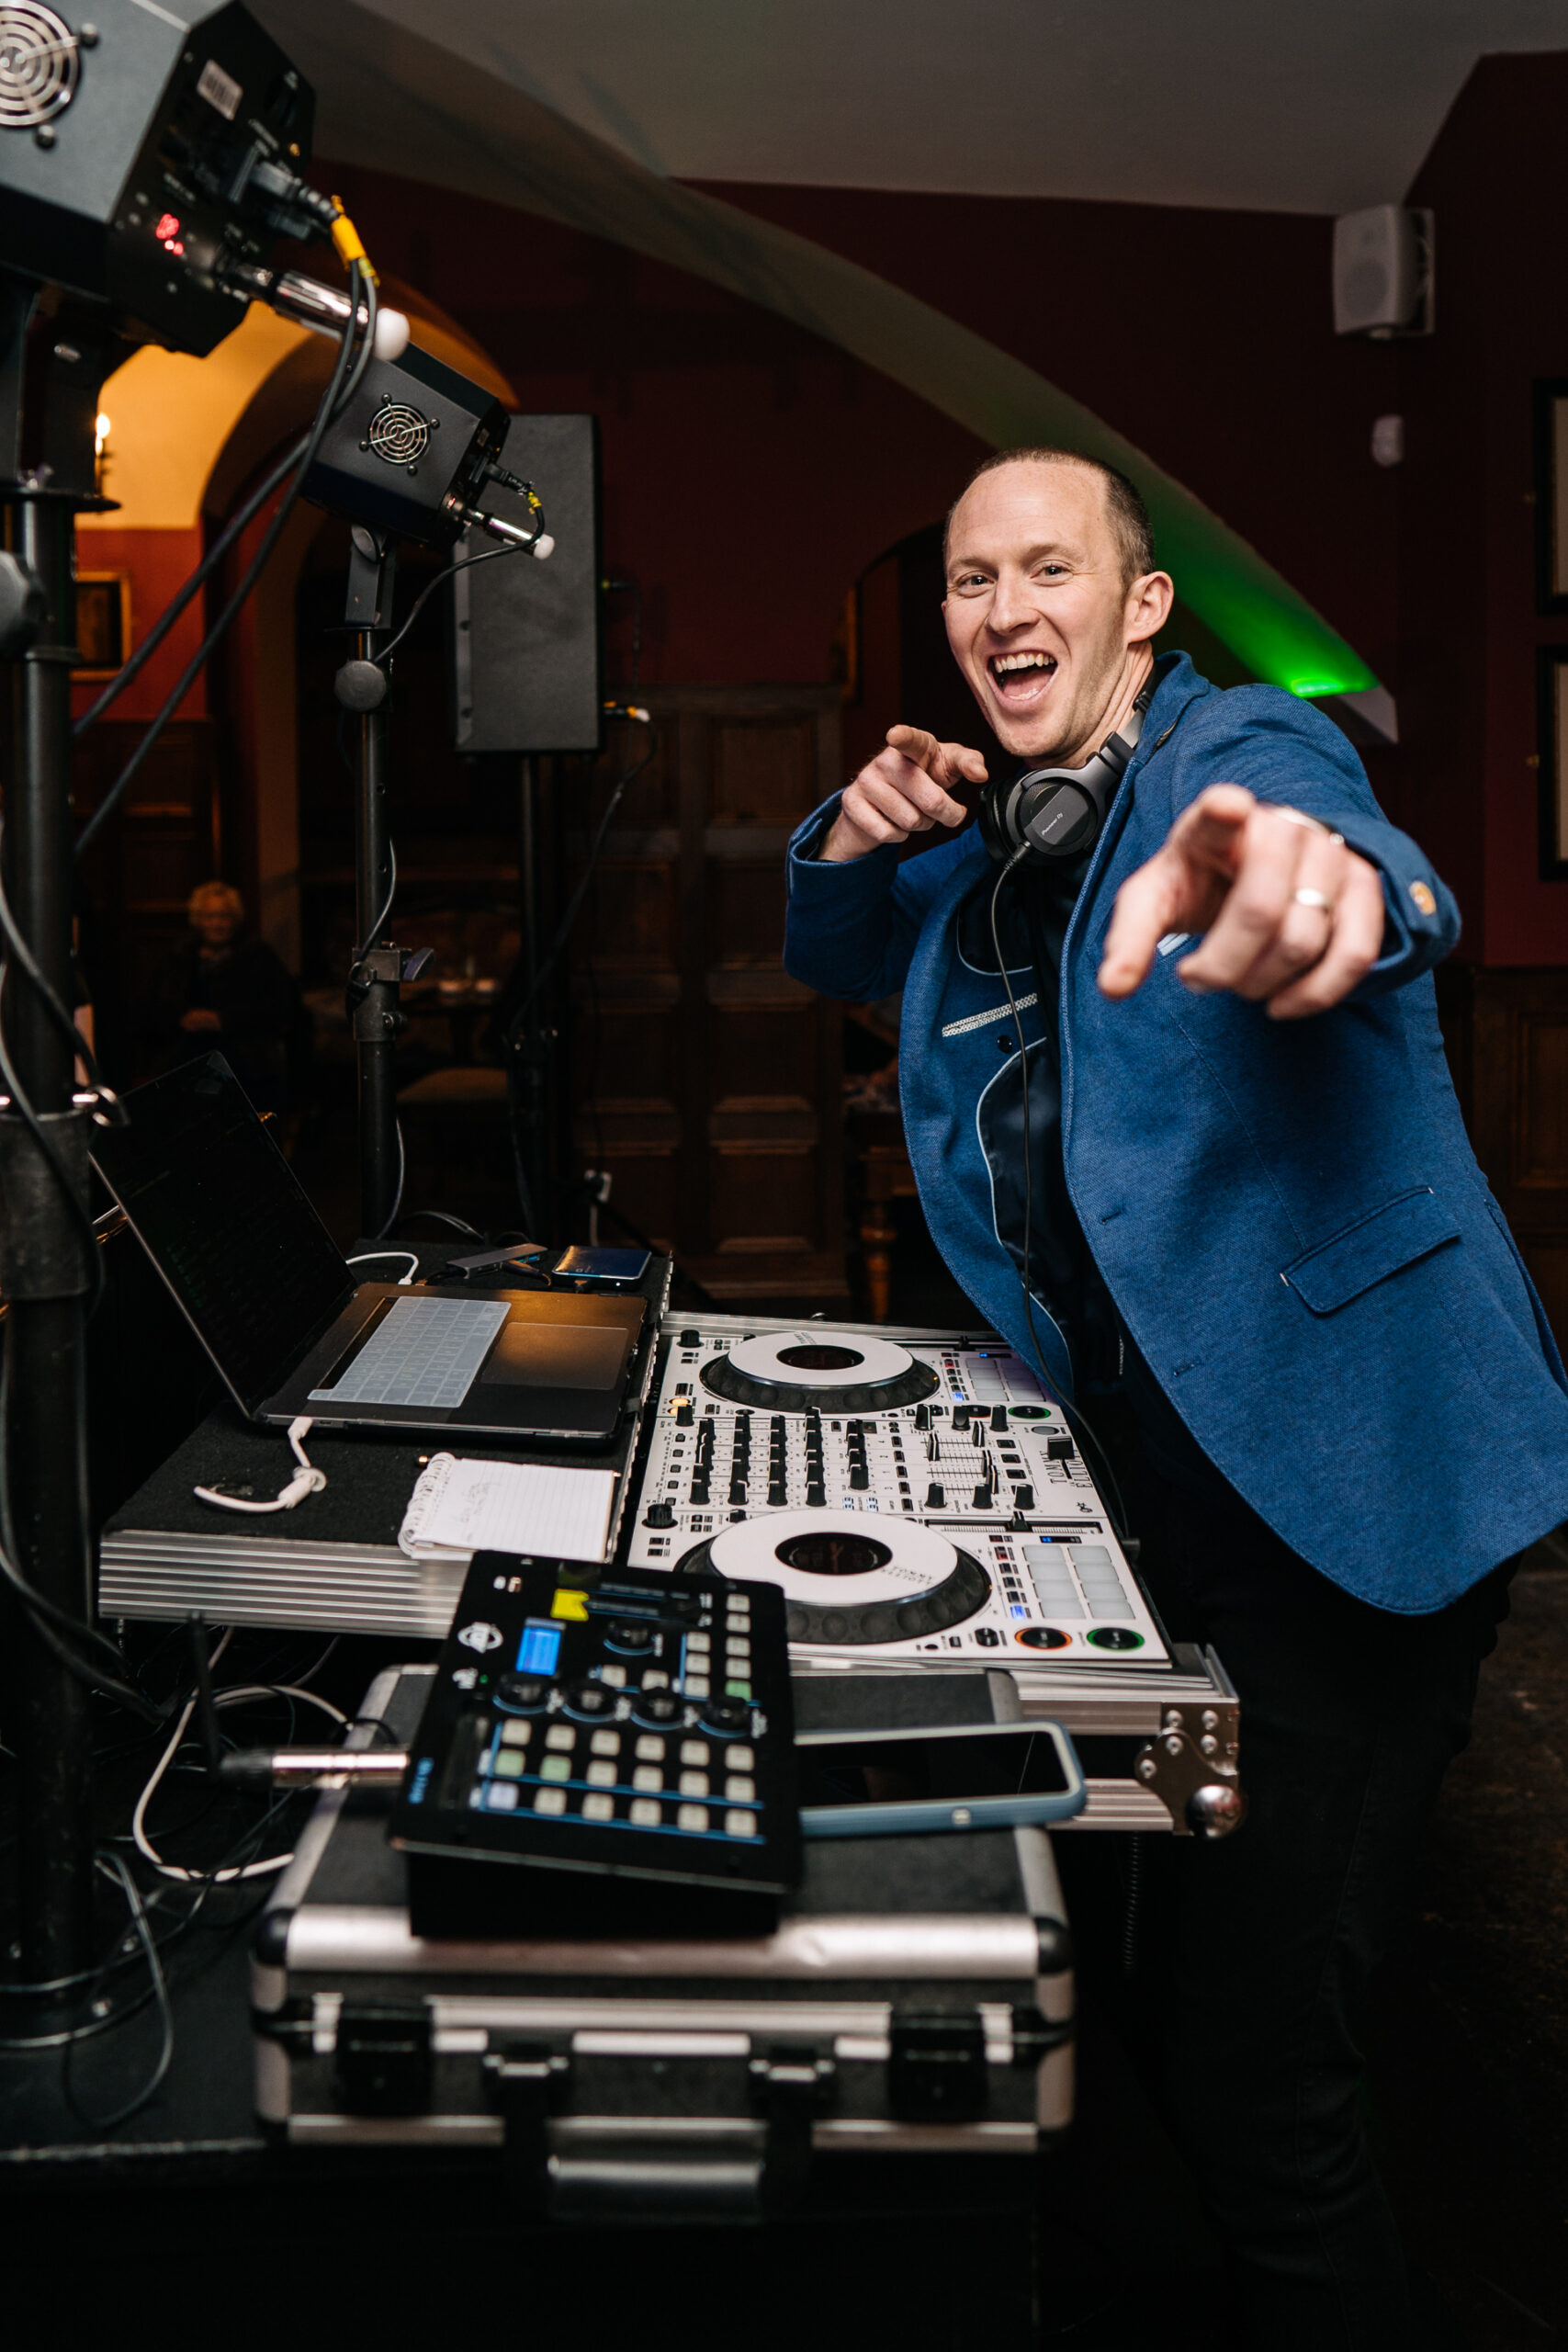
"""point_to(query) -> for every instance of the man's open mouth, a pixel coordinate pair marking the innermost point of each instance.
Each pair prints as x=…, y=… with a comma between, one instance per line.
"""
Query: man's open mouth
x=1020, y=677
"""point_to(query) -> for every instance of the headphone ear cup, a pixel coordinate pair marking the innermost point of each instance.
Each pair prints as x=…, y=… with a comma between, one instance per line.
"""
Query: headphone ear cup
x=995, y=802
x=1061, y=819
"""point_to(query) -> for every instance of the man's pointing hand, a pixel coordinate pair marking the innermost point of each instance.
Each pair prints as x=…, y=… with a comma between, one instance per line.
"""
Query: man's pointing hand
x=904, y=790
x=1291, y=918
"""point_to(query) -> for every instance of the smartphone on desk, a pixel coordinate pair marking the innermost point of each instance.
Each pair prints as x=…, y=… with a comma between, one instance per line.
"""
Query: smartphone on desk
x=948, y=1776
x=615, y=1268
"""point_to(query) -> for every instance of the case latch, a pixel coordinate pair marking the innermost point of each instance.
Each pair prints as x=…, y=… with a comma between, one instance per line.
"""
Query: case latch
x=936, y=2070
x=383, y=2057
x=529, y=2082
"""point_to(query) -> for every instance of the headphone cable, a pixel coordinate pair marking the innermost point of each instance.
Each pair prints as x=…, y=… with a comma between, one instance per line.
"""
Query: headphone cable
x=1077, y=1419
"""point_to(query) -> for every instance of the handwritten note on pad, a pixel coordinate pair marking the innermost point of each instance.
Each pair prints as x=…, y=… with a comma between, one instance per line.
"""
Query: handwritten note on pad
x=459, y=1507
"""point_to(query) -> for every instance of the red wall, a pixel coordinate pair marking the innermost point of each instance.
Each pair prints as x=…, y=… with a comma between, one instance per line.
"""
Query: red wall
x=158, y=564
x=1468, y=624
x=753, y=472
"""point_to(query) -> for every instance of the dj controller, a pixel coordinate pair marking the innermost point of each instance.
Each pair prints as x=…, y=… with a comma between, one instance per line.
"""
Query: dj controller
x=915, y=1499
x=924, y=1505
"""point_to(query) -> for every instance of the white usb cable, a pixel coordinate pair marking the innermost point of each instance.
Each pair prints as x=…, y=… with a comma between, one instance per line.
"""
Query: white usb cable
x=306, y=1480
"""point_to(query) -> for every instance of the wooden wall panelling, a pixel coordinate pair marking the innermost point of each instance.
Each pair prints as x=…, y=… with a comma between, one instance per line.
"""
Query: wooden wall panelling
x=140, y=871
x=707, y=1080
x=1506, y=1033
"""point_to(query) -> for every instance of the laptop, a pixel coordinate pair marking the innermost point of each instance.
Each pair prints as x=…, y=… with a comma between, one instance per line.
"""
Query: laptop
x=218, y=1209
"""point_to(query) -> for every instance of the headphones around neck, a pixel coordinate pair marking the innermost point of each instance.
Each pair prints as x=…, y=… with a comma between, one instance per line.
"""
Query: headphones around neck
x=1060, y=812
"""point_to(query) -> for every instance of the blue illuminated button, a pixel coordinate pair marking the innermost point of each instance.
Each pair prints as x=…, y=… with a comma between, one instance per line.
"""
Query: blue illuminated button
x=540, y=1650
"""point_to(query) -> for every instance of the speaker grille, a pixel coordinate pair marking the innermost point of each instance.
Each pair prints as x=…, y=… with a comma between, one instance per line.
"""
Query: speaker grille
x=399, y=435
x=38, y=65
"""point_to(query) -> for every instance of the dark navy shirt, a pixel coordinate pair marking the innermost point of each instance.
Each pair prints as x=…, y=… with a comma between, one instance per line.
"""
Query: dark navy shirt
x=1033, y=912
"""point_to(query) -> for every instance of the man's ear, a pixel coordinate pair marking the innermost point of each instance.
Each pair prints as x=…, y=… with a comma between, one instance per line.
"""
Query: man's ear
x=1149, y=600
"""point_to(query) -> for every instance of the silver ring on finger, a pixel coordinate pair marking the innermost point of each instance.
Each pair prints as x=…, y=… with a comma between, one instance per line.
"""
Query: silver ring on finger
x=1314, y=899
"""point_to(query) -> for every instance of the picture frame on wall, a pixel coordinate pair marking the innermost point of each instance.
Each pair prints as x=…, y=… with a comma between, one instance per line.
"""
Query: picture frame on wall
x=103, y=622
x=1551, y=494
x=1552, y=759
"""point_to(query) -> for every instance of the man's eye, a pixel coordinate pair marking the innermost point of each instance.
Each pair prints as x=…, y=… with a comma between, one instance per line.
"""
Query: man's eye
x=969, y=580
x=1049, y=570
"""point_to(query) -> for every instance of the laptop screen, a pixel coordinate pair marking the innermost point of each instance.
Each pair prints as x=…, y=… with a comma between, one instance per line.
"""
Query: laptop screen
x=220, y=1215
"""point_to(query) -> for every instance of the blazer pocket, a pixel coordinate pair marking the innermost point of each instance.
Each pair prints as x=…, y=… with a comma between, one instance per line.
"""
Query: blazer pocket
x=1409, y=1227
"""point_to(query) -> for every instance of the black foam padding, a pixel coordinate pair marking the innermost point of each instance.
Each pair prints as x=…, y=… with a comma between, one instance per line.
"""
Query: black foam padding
x=893, y=1702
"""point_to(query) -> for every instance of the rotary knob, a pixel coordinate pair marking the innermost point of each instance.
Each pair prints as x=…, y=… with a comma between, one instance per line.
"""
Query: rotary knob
x=593, y=1701
x=521, y=1692
x=726, y=1718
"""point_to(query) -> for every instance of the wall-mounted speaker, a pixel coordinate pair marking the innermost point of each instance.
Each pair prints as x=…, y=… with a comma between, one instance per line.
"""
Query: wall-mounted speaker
x=1382, y=272
x=526, y=637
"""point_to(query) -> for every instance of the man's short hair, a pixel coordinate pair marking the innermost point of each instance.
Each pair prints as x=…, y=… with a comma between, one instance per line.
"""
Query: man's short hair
x=1128, y=516
x=215, y=894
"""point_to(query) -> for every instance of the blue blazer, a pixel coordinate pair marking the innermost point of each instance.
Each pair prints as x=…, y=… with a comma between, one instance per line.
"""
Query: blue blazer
x=1288, y=1214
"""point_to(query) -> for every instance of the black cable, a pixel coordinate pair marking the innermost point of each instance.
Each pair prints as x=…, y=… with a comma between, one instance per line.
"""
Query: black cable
x=370, y=288
x=630, y=588
x=396, y=1210
x=198, y=578
x=32, y=970
x=458, y=1223
x=1075, y=1418
x=429, y=590
x=368, y=942
x=344, y=377
x=160, y=1989
x=48, y=1621
x=563, y=929
x=23, y=1107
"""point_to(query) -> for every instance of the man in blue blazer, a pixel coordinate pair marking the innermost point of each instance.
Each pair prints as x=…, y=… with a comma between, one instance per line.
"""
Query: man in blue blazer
x=1178, y=1109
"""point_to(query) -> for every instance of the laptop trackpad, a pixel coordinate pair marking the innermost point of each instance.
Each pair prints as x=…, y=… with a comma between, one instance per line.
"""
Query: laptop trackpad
x=557, y=1355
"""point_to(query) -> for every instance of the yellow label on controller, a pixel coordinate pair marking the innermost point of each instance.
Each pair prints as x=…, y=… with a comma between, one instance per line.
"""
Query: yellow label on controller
x=569, y=1604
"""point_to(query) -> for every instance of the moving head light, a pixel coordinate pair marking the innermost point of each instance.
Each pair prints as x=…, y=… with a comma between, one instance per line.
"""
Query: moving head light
x=412, y=448
x=147, y=156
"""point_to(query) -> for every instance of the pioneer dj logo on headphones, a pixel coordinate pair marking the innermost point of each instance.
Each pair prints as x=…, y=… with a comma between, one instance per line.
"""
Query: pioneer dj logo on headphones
x=482, y=1636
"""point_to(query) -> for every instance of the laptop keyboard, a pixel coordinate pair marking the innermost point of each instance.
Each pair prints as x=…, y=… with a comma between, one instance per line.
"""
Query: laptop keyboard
x=424, y=1352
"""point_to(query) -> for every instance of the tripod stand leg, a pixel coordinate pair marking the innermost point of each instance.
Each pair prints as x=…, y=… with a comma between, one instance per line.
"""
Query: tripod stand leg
x=45, y=1276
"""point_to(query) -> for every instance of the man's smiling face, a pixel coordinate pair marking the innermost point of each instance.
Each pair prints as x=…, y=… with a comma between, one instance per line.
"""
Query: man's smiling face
x=1039, y=613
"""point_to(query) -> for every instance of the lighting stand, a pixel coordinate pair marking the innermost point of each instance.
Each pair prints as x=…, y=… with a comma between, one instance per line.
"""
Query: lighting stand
x=46, y=481
x=528, y=1057
x=379, y=968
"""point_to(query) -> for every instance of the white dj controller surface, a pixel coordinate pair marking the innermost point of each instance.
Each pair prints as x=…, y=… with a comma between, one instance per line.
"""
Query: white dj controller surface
x=915, y=1493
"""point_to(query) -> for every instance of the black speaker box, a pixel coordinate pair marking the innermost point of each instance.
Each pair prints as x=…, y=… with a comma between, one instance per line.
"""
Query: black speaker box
x=527, y=639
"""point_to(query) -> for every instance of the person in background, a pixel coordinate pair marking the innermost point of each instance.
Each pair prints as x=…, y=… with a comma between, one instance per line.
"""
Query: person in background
x=223, y=989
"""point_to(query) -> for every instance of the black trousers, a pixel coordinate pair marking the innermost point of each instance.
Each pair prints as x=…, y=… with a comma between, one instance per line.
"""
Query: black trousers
x=1256, y=1954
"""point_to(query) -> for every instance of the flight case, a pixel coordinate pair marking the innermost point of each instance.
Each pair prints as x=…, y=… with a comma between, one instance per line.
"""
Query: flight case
x=915, y=2002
